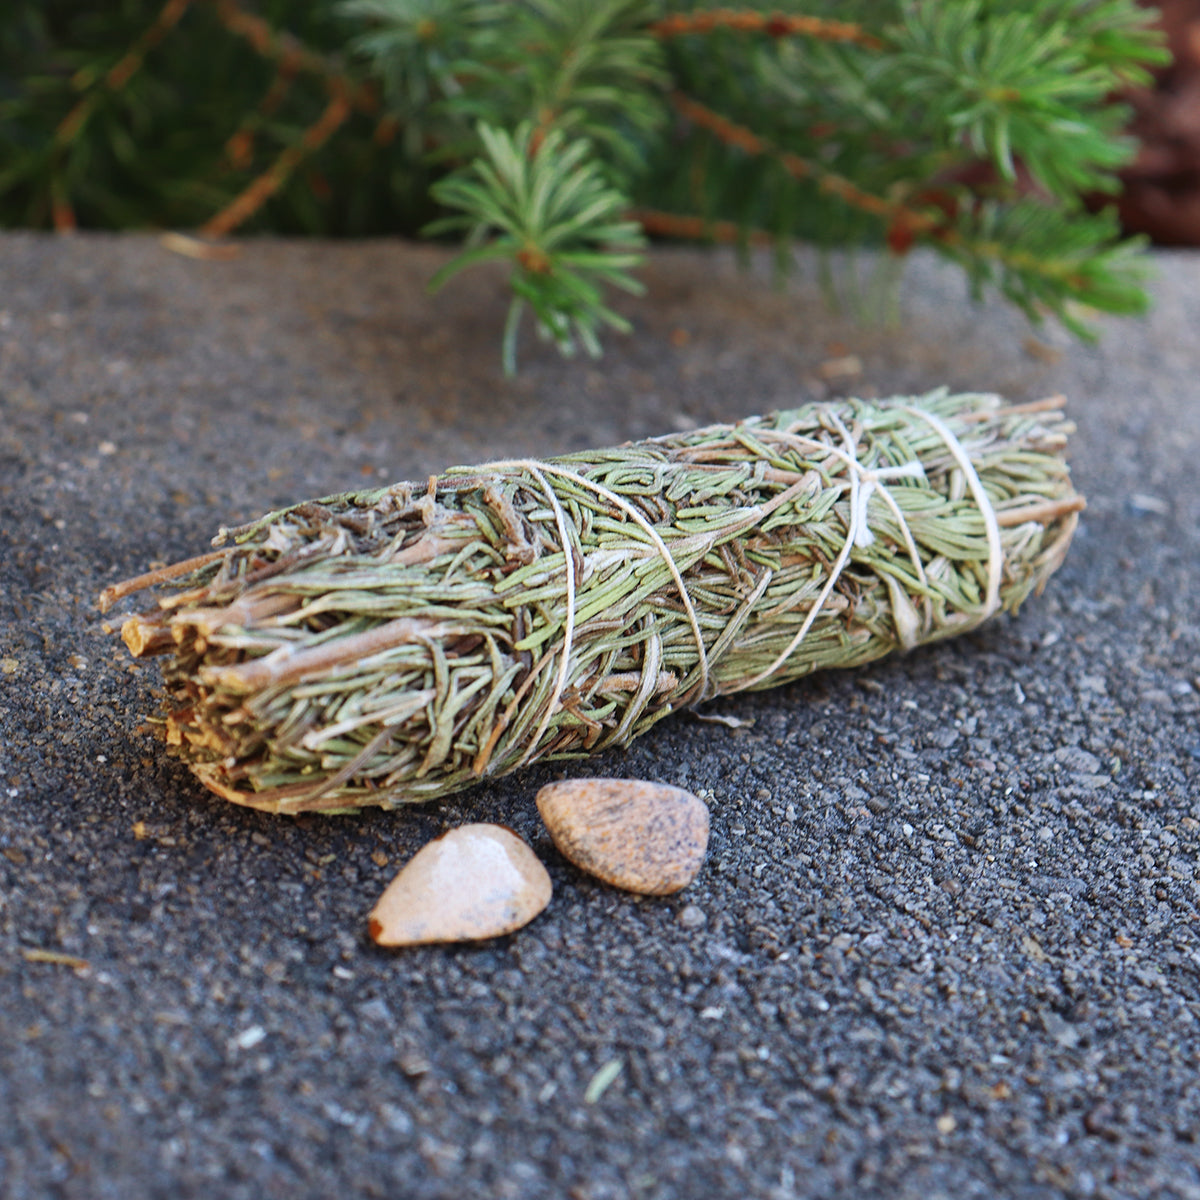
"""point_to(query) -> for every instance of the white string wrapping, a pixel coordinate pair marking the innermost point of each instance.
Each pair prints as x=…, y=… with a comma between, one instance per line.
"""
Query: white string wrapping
x=865, y=482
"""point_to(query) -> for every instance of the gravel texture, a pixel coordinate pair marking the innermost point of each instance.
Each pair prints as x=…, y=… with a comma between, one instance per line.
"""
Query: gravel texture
x=946, y=943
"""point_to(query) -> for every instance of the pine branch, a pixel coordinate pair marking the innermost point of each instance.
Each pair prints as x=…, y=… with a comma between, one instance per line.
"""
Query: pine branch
x=546, y=208
x=415, y=48
x=889, y=123
x=587, y=67
x=1021, y=85
x=158, y=109
x=972, y=126
x=746, y=140
x=1046, y=261
x=1041, y=258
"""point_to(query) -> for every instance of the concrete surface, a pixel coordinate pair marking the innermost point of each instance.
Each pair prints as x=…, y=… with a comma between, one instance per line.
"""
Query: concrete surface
x=946, y=944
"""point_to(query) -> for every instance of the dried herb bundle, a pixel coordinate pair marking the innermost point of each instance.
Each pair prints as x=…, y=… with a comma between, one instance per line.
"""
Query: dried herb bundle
x=394, y=645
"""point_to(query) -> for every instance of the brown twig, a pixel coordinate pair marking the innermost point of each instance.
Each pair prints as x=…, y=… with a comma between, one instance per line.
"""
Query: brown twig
x=123, y=70
x=61, y=211
x=239, y=146
x=69, y=128
x=1043, y=514
x=55, y=958
x=772, y=24
x=749, y=142
x=291, y=666
x=288, y=50
x=256, y=194
x=700, y=229
x=139, y=583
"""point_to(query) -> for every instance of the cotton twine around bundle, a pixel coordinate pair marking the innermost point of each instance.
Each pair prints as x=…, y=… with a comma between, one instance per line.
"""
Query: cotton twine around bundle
x=389, y=646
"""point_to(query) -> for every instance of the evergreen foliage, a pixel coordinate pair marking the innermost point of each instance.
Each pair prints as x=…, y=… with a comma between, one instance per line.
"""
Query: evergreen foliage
x=553, y=132
x=549, y=210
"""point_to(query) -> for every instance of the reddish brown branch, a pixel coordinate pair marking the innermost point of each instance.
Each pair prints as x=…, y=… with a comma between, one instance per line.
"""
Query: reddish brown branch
x=289, y=666
x=699, y=229
x=139, y=583
x=166, y=20
x=912, y=220
x=121, y=72
x=239, y=147
x=291, y=53
x=773, y=24
x=256, y=194
x=292, y=56
x=61, y=212
x=287, y=49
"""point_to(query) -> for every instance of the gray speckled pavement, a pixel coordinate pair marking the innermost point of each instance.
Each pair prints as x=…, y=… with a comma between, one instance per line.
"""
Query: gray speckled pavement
x=947, y=941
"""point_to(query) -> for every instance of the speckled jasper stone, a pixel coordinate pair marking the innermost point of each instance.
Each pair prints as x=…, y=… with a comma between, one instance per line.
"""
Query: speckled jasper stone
x=643, y=837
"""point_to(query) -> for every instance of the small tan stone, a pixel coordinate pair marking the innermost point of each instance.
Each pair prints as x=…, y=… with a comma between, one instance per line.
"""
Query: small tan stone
x=644, y=837
x=477, y=881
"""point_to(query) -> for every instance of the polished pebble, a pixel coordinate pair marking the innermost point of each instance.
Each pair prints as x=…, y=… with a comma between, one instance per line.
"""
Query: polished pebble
x=643, y=837
x=477, y=881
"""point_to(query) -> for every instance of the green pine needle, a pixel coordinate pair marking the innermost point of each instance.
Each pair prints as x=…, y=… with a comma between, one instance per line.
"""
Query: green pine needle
x=1047, y=262
x=1014, y=83
x=547, y=207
